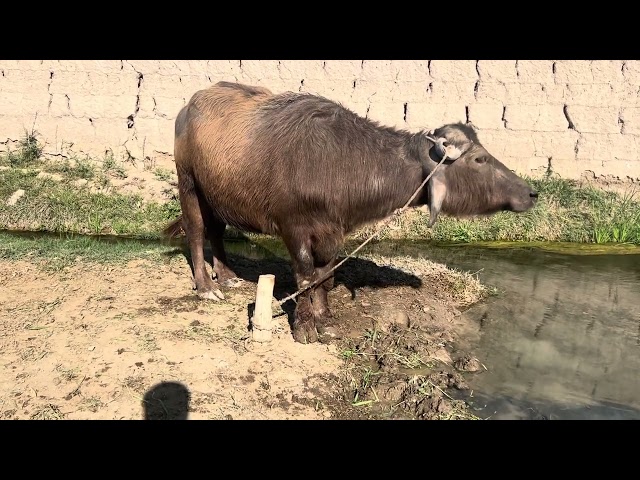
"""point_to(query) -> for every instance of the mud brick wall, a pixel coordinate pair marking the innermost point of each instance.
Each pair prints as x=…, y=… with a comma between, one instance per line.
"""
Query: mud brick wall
x=573, y=118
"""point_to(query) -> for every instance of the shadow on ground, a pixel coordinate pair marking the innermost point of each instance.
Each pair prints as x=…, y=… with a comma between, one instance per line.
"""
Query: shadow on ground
x=250, y=260
x=167, y=401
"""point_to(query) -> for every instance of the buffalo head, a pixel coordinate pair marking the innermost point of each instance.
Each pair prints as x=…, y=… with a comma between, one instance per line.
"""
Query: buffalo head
x=471, y=181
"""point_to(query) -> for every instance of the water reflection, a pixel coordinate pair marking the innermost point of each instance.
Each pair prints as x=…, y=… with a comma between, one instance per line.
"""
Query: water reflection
x=563, y=339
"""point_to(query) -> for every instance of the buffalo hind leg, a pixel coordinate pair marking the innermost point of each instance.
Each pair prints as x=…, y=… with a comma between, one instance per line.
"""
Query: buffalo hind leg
x=194, y=227
x=224, y=274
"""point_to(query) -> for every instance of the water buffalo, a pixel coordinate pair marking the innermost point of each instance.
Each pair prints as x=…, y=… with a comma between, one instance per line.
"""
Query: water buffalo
x=311, y=171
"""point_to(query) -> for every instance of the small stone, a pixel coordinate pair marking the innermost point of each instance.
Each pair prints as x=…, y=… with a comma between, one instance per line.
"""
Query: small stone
x=220, y=363
x=425, y=309
x=401, y=318
x=468, y=363
x=13, y=199
x=195, y=323
x=365, y=304
x=81, y=182
x=92, y=348
x=52, y=176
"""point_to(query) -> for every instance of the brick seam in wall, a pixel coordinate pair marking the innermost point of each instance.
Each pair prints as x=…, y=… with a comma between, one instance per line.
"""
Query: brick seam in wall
x=557, y=116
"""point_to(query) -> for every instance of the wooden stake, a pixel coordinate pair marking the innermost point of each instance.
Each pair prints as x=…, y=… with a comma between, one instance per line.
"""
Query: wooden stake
x=262, y=316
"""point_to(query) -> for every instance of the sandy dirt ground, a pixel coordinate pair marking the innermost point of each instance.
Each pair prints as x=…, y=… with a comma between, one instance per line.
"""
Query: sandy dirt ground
x=134, y=342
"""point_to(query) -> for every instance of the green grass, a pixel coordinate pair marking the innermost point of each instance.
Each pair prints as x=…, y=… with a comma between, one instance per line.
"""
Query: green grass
x=81, y=168
x=29, y=155
x=565, y=212
x=162, y=174
x=29, y=152
x=111, y=166
x=59, y=251
x=62, y=207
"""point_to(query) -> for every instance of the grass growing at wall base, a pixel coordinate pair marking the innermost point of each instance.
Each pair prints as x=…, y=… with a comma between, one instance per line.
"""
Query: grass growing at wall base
x=62, y=207
x=565, y=212
x=56, y=202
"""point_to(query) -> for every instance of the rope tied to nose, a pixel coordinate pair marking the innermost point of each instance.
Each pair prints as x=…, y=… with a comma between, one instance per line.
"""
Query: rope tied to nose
x=379, y=227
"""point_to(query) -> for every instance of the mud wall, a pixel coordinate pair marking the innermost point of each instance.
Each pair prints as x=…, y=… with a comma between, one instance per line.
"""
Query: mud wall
x=574, y=118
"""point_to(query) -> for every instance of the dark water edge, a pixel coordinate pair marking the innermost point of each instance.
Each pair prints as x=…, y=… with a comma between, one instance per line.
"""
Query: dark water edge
x=561, y=340
x=273, y=246
x=508, y=408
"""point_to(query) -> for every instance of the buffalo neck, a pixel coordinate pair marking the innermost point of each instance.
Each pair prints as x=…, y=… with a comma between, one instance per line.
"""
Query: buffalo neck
x=394, y=170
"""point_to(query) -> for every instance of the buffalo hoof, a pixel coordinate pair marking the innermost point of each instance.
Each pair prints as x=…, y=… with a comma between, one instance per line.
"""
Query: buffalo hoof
x=328, y=333
x=305, y=332
x=214, y=294
x=326, y=327
x=304, y=325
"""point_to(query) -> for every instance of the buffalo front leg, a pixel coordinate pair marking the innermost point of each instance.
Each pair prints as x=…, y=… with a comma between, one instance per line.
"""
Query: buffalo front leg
x=325, y=325
x=224, y=274
x=194, y=227
x=304, y=325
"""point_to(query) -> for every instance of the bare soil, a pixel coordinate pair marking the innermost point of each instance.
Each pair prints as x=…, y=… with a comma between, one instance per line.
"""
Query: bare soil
x=133, y=341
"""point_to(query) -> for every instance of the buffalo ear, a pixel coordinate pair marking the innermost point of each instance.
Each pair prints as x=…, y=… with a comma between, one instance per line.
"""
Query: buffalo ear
x=437, y=194
x=443, y=147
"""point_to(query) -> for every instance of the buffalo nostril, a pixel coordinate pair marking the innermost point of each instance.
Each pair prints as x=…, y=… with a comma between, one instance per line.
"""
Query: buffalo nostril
x=533, y=194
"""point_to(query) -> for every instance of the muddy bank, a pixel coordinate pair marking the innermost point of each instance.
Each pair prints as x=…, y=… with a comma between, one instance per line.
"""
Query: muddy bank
x=132, y=341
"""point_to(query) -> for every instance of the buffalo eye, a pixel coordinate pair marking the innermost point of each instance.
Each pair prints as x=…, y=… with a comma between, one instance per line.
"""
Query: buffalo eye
x=481, y=160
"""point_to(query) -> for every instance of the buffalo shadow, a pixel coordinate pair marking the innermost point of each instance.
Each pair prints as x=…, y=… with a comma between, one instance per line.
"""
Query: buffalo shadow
x=167, y=401
x=249, y=260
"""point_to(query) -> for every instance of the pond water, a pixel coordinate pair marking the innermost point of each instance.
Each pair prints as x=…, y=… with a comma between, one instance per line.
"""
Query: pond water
x=560, y=341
